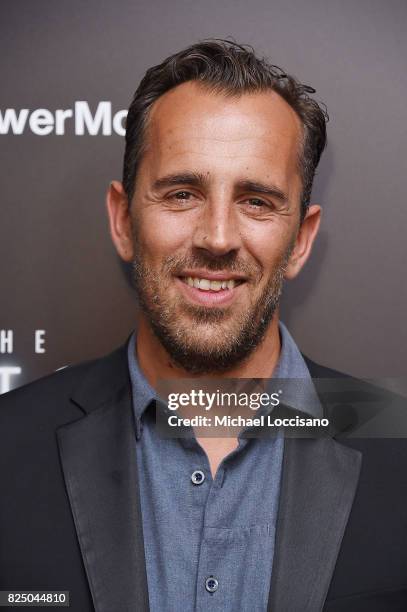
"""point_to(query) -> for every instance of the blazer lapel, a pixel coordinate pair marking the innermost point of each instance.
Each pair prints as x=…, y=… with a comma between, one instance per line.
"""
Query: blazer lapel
x=98, y=458
x=319, y=482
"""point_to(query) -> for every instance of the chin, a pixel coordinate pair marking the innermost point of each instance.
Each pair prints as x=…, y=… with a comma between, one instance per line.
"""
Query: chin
x=208, y=348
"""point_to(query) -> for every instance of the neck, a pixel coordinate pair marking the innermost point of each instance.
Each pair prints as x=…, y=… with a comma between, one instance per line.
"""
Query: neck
x=156, y=363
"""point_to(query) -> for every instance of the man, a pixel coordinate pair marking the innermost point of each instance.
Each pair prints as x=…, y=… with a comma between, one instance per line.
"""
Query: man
x=213, y=214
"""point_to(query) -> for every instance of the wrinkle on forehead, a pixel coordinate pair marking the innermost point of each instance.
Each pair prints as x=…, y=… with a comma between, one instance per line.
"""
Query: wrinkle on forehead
x=192, y=106
x=210, y=132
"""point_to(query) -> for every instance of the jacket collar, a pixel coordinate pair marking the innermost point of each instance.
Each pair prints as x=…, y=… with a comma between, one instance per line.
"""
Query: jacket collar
x=103, y=381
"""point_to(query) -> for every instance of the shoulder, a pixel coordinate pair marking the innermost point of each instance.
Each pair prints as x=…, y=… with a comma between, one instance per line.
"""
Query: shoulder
x=45, y=401
x=371, y=419
x=319, y=371
x=51, y=398
x=59, y=380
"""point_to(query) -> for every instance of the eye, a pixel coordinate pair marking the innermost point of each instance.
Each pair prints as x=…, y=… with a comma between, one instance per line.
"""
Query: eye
x=181, y=196
x=183, y=199
x=257, y=206
x=257, y=203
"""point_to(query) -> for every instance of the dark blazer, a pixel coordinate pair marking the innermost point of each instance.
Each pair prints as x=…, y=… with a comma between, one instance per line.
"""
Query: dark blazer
x=70, y=510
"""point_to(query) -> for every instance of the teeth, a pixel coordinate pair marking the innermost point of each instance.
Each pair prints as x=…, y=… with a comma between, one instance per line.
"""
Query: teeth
x=204, y=283
x=216, y=285
x=209, y=285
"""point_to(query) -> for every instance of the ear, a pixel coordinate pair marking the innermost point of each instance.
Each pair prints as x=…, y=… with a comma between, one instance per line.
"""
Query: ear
x=120, y=220
x=303, y=243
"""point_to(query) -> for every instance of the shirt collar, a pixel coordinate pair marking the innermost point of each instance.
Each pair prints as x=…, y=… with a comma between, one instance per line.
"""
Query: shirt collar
x=300, y=395
x=142, y=392
x=300, y=392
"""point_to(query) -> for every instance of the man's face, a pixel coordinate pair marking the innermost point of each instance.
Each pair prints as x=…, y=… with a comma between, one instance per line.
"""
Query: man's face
x=215, y=216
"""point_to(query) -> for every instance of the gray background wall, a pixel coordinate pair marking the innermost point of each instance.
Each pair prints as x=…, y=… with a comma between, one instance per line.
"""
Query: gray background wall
x=58, y=268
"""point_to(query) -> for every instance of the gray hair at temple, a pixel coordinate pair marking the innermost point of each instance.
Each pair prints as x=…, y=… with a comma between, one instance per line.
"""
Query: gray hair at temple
x=226, y=67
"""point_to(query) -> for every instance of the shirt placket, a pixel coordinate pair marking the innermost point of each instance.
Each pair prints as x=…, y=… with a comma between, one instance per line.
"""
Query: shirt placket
x=211, y=579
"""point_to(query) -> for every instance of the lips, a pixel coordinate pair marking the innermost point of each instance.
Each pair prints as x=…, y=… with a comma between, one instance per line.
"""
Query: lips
x=207, y=284
x=210, y=288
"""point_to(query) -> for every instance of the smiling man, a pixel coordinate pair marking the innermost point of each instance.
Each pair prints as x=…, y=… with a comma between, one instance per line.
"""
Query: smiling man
x=213, y=214
x=213, y=221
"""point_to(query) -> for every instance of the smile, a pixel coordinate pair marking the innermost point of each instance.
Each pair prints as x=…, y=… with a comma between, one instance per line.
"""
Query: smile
x=210, y=289
x=207, y=284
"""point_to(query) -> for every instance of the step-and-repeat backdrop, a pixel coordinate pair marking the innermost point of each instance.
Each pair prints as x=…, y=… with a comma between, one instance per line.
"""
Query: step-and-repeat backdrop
x=68, y=72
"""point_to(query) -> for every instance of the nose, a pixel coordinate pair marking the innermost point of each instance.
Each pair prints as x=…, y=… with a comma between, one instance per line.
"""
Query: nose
x=217, y=229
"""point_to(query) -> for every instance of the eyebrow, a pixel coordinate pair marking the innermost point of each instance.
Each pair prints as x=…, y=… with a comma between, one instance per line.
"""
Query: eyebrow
x=261, y=188
x=197, y=179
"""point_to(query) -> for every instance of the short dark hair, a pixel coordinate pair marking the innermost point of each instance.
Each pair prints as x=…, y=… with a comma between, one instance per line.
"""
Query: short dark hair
x=226, y=67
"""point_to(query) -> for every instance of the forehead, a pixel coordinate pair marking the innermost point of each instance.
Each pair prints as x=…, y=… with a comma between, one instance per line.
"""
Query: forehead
x=251, y=132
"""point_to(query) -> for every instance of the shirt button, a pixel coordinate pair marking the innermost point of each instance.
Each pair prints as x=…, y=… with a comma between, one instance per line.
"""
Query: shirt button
x=211, y=584
x=197, y=477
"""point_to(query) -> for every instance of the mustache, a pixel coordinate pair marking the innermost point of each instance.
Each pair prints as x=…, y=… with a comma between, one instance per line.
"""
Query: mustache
x=229, y=262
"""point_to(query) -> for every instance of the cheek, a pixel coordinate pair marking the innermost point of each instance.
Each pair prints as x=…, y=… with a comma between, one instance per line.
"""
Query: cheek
x=267, y=243
x=161, y=235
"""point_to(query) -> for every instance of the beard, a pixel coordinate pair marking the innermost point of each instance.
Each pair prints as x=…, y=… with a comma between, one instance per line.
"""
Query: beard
x=199, y=339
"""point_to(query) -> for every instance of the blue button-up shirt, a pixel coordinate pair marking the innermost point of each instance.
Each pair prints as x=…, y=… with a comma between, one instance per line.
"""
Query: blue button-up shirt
x=209, y=542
